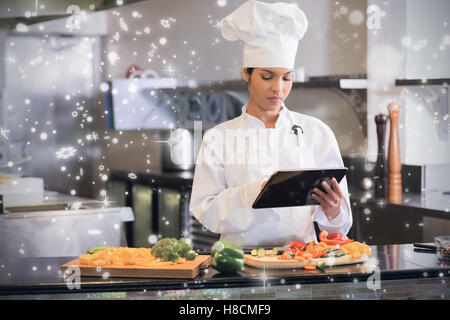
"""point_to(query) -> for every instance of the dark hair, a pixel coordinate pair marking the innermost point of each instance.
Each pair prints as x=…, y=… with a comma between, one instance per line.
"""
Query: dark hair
x=249, y=71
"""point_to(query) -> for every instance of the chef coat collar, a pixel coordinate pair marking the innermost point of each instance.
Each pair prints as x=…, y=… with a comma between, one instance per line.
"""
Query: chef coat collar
x=254, y=121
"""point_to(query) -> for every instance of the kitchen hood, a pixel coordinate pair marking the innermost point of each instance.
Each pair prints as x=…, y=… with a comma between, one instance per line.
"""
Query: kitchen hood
x=29, y=12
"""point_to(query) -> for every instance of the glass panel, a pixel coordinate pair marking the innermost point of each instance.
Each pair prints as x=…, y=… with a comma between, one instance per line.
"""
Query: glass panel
x=169, y=213
x=116, y=193
x=142, y=207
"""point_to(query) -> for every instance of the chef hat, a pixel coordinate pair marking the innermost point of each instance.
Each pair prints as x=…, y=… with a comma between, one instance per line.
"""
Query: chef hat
x=271, y=32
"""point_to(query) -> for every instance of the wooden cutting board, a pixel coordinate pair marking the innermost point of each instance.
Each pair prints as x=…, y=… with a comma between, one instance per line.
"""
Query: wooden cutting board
x=272, y=262
x=187, y=269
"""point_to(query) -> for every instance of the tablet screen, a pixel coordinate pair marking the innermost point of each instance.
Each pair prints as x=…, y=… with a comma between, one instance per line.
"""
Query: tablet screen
x=295, y=187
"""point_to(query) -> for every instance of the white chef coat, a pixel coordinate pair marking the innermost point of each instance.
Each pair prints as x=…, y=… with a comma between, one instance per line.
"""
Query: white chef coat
x=223, y=191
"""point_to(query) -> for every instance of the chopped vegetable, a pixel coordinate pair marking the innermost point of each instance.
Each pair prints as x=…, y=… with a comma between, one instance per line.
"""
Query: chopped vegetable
x=334, y=255
x=334, y=238
x=321, y=266
x=286, y=256
x=171, y=249
x=277, y=251
x=356, y=249
x=261, y=252
x=190, y=255
x=310, y=267
x=254, y=252
x=95, y=249
x=112, y=256
x=294, y=246
x=313, y=250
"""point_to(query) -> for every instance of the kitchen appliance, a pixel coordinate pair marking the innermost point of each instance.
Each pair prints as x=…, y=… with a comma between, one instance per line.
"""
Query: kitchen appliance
x=61, y=228
x=48, y=108
x=22, y=191
x=141, y=103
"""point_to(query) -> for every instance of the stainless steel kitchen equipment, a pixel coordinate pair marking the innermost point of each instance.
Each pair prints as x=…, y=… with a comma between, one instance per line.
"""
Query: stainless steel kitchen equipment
x=61, y=226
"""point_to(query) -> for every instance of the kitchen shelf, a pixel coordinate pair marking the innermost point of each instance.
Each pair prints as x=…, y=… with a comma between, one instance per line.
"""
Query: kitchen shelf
x=350, y=88
x=343, y=82
x=422, y=82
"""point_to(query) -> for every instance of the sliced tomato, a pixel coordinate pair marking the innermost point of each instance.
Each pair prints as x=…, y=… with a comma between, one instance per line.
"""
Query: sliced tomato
x=297, y=245
x=294, y=246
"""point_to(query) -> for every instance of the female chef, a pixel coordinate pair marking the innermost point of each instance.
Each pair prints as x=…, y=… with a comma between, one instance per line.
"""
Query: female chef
x=229, y=175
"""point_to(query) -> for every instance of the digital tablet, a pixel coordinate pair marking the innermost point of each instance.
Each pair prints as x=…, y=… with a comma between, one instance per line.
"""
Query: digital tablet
x=291, y=188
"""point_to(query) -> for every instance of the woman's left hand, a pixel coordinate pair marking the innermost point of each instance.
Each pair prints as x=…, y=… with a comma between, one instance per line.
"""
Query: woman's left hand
x=331, y=200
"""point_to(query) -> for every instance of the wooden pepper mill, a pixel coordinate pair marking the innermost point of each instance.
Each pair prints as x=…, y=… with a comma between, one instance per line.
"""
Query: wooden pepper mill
x=395, y=166
x=381, y=167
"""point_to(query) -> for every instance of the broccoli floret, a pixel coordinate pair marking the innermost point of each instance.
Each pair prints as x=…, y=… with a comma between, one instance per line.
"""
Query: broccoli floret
x=171, y=249
x=171, y=256
x=164, y=246
x=190, y=255
x=183, y=247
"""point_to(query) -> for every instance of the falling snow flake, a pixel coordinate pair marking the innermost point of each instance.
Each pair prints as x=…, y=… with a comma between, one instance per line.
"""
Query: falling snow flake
x=132, y=176
x=166, y=22
x=3, y=132
x=93, y=136
x=75, y=205
x=123, y=25
x=65, y=152
x=372, y=263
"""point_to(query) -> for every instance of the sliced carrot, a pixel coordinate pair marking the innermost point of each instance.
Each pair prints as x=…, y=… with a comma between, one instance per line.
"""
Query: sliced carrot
x=286, y=256
x=310, y=268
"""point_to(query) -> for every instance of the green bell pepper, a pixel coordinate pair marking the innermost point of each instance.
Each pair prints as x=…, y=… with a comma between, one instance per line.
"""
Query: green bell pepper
x=227, y=257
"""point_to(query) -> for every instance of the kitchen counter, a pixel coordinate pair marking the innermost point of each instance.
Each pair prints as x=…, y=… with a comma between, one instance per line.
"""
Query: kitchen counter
x=404, y=272
x=436, y=206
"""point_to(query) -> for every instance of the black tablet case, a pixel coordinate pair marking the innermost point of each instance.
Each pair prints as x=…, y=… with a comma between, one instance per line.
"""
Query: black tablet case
x=293, y=188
